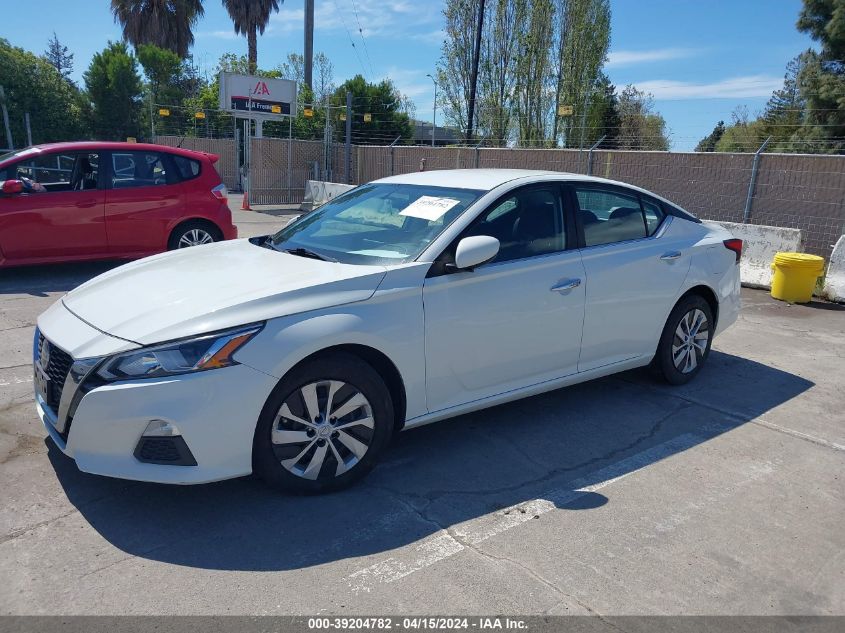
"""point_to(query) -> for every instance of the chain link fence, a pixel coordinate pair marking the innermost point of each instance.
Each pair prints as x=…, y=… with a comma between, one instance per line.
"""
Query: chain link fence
x=800, y=191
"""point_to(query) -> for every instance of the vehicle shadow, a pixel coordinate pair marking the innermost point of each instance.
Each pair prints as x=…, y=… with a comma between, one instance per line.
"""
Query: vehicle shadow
x=39, y=281
x=558, y=446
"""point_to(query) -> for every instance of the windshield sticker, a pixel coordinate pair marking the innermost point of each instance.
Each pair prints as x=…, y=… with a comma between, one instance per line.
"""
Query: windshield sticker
x=429, y=208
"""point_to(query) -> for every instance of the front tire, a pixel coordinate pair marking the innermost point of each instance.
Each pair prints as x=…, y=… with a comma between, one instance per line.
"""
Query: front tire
x=685, y=342
x=324, y=426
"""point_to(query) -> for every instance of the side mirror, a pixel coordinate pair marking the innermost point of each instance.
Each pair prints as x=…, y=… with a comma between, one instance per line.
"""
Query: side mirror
x=291, y=221
x=12, y=186
x=474, y=251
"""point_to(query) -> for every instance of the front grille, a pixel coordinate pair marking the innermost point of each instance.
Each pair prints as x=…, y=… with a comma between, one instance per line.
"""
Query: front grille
x=57, y=369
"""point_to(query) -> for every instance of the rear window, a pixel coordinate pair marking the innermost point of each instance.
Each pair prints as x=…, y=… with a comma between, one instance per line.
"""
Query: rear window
x=187, y=167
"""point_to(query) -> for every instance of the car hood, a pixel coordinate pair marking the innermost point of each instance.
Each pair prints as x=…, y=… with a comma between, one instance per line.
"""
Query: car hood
x=207, y=288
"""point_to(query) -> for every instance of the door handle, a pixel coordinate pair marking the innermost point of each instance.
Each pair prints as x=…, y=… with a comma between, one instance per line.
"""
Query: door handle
x=670, y=256
x=566, y=285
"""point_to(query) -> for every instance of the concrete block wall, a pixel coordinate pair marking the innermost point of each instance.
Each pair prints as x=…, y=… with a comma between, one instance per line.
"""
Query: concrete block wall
x=834, y=281
x=759, y=246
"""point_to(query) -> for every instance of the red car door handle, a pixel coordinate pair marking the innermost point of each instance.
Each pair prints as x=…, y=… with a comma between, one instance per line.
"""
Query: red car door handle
x=87, y=205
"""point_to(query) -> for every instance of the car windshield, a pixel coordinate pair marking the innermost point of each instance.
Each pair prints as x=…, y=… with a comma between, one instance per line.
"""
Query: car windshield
x=375, y=223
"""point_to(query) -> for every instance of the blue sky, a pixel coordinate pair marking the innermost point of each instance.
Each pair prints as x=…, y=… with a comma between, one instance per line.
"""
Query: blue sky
x=700, y=59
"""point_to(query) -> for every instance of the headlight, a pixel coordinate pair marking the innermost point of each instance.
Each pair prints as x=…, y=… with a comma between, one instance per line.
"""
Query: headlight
x=179, y=357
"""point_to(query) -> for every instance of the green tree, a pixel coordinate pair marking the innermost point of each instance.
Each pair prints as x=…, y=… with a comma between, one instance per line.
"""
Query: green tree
x=602, y=116
x=533, y=98
x=708, y=143
x=497, y=68
x=59, y=57
x=383, y=102
x=583, y=39
x=163, y=69
x=743, y=135
x=640, y=127
x=32, y=85
x=166, y=23
x=251, y=17
x=784, y=112
x=821, y=80
x=114, y=89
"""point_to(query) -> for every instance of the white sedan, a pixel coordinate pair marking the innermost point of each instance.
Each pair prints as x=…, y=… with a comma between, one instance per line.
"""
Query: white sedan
x=404, y=301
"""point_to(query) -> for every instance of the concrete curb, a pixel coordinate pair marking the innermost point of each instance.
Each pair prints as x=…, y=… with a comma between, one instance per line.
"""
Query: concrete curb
x=834, y=281
x=760, y=243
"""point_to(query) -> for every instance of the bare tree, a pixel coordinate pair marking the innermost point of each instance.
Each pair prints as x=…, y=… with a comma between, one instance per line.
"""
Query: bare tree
x=324, y=86
x=454, y=70
x=59, y=57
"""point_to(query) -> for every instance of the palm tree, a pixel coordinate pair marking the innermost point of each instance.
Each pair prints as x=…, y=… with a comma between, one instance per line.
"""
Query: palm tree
x=251, y=16
x=166, y=23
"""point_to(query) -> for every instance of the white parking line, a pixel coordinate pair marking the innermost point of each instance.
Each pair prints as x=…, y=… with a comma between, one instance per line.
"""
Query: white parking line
x=443, y=544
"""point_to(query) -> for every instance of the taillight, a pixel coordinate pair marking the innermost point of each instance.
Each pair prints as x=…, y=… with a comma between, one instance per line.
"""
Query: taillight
x=734, y=245
x=220, y=192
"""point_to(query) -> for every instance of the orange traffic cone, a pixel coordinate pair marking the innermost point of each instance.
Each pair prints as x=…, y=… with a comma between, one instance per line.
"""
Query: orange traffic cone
x=245, y=203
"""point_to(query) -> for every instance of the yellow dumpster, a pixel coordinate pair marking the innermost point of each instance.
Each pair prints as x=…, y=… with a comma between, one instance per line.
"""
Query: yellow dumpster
x=794, y=276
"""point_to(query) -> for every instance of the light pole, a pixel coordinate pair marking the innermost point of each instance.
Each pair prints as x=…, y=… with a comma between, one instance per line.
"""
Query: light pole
x=434, y=109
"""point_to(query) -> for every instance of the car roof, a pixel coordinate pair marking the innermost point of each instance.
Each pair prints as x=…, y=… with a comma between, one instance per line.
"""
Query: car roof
x=106, y=145
x=487, y=179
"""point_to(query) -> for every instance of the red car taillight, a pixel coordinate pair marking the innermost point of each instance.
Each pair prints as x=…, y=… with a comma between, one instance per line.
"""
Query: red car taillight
x=220, y=192
x=734, y=245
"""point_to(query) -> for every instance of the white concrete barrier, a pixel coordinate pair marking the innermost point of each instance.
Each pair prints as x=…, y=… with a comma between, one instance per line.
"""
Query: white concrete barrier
x=759, y=245
x=318, y=192
x=834, y=281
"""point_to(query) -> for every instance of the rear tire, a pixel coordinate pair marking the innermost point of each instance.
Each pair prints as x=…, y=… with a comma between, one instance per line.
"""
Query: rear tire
x=685, y=342
x=193, y=233
x=324, y=426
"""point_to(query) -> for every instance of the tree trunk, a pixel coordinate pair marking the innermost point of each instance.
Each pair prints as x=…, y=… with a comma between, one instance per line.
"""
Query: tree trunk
x=252, y=40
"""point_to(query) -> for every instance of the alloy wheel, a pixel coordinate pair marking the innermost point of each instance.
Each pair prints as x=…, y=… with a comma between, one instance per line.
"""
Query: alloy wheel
x=195, y=237
x=690, y=341
x=323, y=429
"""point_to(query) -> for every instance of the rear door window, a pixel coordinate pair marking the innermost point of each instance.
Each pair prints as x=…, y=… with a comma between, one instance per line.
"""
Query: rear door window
x=609, y=216
x=139, y=169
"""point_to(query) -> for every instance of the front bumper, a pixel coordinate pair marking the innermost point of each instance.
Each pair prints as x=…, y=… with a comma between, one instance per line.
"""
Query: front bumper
x=216, y=412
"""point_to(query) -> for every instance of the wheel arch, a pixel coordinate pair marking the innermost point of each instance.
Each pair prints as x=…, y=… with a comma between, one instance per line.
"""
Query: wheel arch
x=706, y=293
x=379, y=361
x=194, y=219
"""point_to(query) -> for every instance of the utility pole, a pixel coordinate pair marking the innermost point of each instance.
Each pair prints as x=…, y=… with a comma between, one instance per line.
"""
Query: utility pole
x=309, y=43
x=28, y=129
x=348, y=157
x=9, y=142
x=474, y=78
x=434, y=109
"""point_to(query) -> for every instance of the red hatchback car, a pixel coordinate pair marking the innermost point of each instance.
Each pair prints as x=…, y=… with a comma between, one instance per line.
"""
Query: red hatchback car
x=108, y=201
